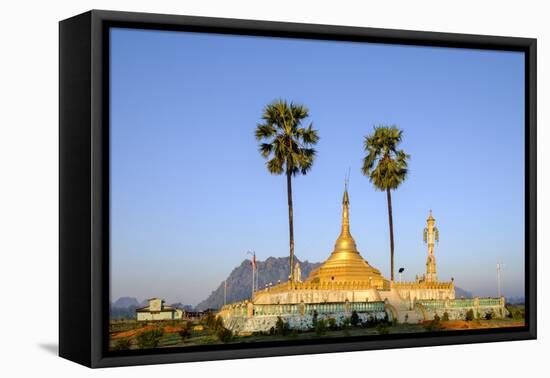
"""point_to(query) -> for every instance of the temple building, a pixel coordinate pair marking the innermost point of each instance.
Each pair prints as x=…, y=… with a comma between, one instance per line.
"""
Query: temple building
x=346, y=282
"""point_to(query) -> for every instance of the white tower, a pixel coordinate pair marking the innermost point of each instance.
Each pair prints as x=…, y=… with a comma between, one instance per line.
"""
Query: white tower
x=431, y=235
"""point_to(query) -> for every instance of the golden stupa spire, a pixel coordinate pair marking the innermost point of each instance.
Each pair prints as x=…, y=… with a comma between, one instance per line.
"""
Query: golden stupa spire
x=345, y=241
x=345, y=263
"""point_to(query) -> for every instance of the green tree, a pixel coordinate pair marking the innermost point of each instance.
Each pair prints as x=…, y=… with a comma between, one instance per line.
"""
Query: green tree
x=386, y=167
x=288, y=147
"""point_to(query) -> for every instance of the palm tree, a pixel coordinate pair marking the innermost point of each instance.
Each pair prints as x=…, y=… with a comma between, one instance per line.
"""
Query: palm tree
x=386, y=166
x=288, y=149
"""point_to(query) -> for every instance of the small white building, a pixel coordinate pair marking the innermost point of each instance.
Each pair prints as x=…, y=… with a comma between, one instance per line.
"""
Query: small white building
x=157, y=310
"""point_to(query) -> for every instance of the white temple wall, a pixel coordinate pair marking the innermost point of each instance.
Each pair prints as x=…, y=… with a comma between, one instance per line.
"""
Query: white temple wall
x=418, y=294
x=246, y=325
x=460, y=313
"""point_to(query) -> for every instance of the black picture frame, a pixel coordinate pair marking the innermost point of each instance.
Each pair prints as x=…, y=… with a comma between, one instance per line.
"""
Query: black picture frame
x=84, y=184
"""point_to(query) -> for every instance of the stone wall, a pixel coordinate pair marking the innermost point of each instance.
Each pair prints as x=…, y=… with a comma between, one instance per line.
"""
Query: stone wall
x=247, y=325
x=456, y=309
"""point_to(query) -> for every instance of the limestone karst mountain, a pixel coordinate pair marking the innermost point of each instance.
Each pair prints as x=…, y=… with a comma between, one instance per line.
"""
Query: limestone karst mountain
x=461, y=293
x=125, y=302
x=239, y=282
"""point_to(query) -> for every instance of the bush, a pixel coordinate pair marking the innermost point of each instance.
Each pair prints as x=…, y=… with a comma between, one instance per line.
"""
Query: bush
x=382, y=329
x=282, y=327
x=184, y=333
x=354, y=320
x=210, y=320
x=150, y=339
x=437, y=319
x=370, y=322
x=516, y=312
x=320, y=327
x=122, y=344
x=315, y=316
x=445, y=317
x=432, y=326
x=469, y=315
x=332, y=324
x=489, y=315
x=346, y=322
x=214, y=322
x=225, y=335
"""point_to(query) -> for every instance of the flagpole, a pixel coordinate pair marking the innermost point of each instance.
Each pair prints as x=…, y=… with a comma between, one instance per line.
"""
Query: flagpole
x=498, y=279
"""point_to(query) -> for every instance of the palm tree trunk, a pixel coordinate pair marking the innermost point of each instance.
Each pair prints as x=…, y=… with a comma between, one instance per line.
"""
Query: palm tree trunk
x=390, y=217
x=290, y=223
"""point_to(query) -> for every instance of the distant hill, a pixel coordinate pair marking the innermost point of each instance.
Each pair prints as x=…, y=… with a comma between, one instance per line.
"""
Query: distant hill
x=182, y=306
x=239, y=282
x=125, y=302
x=461, y=293
x=515, y=300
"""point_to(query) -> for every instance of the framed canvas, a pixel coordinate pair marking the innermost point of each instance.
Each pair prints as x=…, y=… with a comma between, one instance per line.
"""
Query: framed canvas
x=235, y=188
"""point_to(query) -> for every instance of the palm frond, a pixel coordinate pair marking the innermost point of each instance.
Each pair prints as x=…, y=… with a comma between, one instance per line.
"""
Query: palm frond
x=384, y=164
x=286, y=144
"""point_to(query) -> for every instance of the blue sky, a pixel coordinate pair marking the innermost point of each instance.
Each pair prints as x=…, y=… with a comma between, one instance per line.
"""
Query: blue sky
x=190, y=193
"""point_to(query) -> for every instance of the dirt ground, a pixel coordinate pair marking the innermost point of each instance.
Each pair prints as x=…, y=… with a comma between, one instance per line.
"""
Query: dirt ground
x=479, y=324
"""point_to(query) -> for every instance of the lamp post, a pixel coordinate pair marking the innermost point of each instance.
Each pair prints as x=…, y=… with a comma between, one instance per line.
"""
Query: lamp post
x=401, y=270
x=499, y=268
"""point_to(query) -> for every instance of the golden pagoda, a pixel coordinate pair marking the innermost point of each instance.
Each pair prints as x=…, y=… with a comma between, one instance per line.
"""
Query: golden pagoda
x=345, y=264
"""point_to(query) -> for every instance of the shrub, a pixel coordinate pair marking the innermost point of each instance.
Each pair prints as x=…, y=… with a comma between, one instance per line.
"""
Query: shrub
x=370, y=322
x=184, y=333
x=282, y=327
x=314, y=319
x=489, y=315
x=445, y=317
x=382, y=329
x=225, y=335
x=320, y=327
x=346, y=322
x=122, y=344
x=432, y=326
x=516, y=312
x=470, y=315
x=332, y=324
x=210, y=320
x=354, y=320
x=150, y=339
x=437, y=319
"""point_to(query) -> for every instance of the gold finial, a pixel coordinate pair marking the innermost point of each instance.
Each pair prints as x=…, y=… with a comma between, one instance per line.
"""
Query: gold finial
x=345, y=200
x=345, y=240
